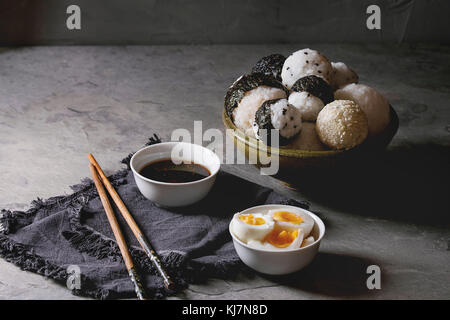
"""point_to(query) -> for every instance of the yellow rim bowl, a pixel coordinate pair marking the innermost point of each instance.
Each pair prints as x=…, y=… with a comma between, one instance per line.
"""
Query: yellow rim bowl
x=251, y=145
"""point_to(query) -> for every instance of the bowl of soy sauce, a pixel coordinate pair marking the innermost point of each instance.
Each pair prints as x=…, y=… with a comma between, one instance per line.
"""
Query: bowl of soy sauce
x=175, y=174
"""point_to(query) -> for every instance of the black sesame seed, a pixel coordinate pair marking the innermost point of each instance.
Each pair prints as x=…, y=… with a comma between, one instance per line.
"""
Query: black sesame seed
x=305, y=52
x=287, y=68
x=320, y=71
x=307, y=61
x=292, y=118
x=284, y=111
x=316, y=64
x=295, y=126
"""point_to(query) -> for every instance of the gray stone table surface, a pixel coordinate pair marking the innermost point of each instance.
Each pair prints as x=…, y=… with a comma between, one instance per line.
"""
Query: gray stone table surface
x=59, y=103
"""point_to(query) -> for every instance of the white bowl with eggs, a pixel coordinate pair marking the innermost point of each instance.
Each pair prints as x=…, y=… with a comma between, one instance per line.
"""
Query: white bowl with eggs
x=294, y=246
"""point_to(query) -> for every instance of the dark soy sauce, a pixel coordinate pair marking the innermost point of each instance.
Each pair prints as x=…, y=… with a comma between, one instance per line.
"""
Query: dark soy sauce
x=166, y=171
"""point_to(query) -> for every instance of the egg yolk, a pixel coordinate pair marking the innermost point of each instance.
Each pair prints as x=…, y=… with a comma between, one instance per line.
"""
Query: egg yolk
x=250, y=219
x=286, y=216
x=281, y=238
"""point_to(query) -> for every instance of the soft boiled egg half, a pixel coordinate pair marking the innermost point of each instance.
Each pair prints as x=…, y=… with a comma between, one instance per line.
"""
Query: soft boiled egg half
x=292, y=220
x=253, y=226
x=280, y=239
x=277, y=229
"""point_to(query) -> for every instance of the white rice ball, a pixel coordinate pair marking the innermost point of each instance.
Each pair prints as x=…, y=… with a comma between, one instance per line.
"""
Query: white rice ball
x=244, y=113
x=303, y=63
x=286, y=118
x=374, y=105
x=307, y=139
x=308, y=104
x=342, y=75
x=342, y=125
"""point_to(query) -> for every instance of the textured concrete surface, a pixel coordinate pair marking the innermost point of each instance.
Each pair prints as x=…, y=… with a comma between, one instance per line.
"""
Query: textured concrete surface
x=59, y=103
x=150, y=22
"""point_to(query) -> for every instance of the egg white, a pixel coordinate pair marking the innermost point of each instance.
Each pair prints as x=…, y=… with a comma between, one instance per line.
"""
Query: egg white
x=246, y=232
x=308, y=241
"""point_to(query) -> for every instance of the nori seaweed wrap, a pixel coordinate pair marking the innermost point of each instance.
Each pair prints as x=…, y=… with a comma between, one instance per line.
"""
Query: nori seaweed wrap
x=246, y=83
x=315, y=86
x=270, y=65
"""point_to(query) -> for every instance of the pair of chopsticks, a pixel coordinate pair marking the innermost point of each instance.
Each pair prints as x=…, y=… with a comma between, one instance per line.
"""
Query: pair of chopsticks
x=99, y=177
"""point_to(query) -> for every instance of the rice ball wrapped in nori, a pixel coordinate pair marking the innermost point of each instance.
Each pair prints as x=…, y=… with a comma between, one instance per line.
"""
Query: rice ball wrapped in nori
x=342, y=124
x=375, y=106
x=316, y=86
x=311, y=94
x=270, y=65
x=303, y=63
x=247, y=94
x=278, y=115
x=343, y=75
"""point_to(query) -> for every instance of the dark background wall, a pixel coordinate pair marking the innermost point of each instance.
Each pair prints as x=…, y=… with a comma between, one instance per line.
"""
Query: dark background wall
x=222, y=21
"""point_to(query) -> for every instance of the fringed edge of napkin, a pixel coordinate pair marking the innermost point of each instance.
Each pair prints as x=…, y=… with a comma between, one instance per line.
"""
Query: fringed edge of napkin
x=26, y=259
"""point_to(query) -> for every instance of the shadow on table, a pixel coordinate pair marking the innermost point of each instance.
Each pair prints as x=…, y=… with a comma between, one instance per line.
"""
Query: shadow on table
x=331, y=274
x=408, y=184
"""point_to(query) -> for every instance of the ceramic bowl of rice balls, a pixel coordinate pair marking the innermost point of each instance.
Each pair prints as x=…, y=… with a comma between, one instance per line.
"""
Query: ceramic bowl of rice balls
x=309, y=111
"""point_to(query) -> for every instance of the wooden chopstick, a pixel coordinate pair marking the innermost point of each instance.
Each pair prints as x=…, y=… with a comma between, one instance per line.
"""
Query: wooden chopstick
x=132, y=224
x=118, y=235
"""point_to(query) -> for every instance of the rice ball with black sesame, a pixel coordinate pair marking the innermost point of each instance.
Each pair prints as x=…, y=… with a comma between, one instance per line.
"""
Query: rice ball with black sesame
x=375, y=106
x=270, y=65
x=311, y=94
x=342, y=125
x=343, y=75
x=277, y=115
x=303, y=63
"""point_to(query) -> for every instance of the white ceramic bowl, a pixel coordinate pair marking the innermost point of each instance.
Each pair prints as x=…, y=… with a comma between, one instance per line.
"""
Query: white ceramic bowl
x=274, y=261
x=175, y=194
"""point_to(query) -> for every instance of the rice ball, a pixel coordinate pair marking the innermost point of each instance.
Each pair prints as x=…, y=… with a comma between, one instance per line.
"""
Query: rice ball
x=308, y=105
x=374, y=105
x=343, y=75
x=316, y=86
x=270, y=65
x=303, y=63
x=310, y=95
x=342, y=125
x=277, y=114
x=307, y=139
x=244, y=113
x=247, y=94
